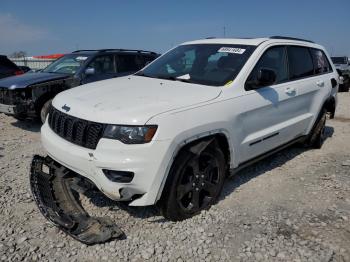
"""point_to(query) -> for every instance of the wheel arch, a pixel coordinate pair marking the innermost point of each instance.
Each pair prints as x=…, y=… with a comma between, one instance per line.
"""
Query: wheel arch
x=199, y=143
x=330, y=106
x=41, y=100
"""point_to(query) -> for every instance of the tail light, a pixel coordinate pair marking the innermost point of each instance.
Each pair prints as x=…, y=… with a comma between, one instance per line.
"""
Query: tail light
x=19, y=72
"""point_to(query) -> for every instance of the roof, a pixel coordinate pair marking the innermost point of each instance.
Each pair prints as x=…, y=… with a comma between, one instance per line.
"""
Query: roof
x=249, y=41
x=229, y=41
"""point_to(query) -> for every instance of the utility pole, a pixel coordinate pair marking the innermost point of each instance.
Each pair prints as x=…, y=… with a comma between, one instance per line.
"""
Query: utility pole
x=224, y=31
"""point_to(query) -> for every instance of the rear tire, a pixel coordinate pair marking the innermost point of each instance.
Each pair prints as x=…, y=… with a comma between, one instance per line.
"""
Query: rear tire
x=317, y=136
x=45, y=110
x=194, y=183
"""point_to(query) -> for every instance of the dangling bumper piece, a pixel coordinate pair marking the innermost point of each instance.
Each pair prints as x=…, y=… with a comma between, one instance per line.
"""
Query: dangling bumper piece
x=55, y=191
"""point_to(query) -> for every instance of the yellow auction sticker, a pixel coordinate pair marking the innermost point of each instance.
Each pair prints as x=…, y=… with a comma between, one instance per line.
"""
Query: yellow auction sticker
x=229, y=83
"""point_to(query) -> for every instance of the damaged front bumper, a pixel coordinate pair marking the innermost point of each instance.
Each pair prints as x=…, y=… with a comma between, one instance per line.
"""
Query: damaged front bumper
x=16, y=103
x=13, y=109
x=56, y=192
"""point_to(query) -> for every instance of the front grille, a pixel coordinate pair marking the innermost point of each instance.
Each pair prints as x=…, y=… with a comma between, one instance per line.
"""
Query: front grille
x=75, y=130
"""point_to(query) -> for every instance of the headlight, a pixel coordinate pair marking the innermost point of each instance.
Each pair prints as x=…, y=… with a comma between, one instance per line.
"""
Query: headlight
x=130, y=134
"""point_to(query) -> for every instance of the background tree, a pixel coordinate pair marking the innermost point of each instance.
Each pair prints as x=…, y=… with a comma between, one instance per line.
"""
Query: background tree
x=19, y=54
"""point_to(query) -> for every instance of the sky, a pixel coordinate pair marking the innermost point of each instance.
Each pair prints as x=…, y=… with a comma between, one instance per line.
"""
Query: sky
x=46, y=27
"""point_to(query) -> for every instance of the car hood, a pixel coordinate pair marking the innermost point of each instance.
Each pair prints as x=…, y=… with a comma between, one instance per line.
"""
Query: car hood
x=131, y=100
x=28, y=79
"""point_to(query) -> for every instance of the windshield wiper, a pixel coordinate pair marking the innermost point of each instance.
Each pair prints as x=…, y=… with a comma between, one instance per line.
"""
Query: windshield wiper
x=172, y=78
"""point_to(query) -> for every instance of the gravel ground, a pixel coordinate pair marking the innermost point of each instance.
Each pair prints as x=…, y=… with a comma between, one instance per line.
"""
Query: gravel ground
x=293, y=206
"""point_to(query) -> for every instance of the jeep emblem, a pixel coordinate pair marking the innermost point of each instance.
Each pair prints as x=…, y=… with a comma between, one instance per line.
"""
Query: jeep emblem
x=66, y=108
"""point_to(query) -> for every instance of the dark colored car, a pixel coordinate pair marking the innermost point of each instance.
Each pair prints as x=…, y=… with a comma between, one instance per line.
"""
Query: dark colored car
x=342, y=64
x=8, y=68
x=30, y=95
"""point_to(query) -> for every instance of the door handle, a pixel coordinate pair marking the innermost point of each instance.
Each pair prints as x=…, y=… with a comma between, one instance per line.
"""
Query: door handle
x=320, y=83
x=290, y=90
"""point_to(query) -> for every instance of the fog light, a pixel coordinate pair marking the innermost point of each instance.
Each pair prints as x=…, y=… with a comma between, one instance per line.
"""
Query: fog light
x=119, y=176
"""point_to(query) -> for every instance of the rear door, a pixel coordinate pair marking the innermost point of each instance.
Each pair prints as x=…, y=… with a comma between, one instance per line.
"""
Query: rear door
x=128, y=64
x=309, y=82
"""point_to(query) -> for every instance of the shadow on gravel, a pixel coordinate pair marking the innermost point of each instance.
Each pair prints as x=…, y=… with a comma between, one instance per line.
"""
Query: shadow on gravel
x=1, y=148
x=99, y=200
x=265, y=165
x=28, y=125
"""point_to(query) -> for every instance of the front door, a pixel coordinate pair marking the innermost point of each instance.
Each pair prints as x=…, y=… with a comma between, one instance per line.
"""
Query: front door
x=270, y=117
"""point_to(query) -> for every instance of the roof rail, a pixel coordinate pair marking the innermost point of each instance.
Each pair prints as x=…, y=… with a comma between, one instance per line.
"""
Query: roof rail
x=118, y=50
x=84, y=50
x=290, y=38
x=127, y=50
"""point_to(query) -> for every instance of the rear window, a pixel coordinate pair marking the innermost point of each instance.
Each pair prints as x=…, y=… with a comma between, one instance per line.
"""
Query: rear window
x=300, y=62
x=321, y=63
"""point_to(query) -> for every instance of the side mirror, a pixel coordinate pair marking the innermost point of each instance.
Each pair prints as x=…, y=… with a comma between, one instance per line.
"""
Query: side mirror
x=266, y=77
x=90, y=71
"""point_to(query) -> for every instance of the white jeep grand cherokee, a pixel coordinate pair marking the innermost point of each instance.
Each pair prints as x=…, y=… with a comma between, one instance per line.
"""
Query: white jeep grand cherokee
x=171, y=133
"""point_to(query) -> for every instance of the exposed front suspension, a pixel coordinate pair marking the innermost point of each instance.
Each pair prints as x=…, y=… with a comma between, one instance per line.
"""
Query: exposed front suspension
x=55, y=190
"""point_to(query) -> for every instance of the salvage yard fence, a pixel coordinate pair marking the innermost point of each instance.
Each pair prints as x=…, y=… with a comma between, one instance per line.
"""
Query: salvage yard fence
x=35, y=64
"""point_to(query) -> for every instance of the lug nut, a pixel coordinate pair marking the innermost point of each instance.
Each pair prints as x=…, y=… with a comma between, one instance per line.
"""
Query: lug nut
x=202, y=176
x=197, y=189
x=202, y=184
x=194, y=184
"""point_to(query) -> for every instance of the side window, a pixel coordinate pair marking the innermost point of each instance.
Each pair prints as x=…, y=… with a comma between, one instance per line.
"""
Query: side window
x=103, y=64
x=128, y=63
x=300, y=62
x=321, y=63
x=274, y=59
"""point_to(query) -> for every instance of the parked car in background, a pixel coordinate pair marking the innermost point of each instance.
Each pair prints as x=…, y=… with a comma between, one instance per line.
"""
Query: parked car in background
x=30, y=95
x=8, y=68
x=169, y=134
x=342, y=64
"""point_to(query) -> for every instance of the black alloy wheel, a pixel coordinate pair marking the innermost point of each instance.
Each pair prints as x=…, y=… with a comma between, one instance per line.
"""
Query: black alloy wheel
x=198, y=182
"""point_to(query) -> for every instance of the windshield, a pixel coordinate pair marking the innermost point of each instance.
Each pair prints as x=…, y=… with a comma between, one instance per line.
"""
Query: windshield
x=207, y=64
x=68, y=64
x=339, y=60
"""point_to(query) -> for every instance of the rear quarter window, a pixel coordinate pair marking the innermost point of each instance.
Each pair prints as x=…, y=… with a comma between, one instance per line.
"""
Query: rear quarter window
x=321, y=62
x=128, y=63
x=300, y=62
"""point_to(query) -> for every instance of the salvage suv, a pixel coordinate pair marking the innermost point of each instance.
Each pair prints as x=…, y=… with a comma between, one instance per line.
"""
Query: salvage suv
x=171, y=133
x=30, y=95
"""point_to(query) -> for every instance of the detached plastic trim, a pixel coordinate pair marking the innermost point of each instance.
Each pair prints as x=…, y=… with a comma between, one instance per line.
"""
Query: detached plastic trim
x=56, y=194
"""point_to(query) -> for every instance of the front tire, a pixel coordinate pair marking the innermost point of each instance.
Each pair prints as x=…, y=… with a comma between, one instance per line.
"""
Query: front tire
x=45, y=110
x=195, y=182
